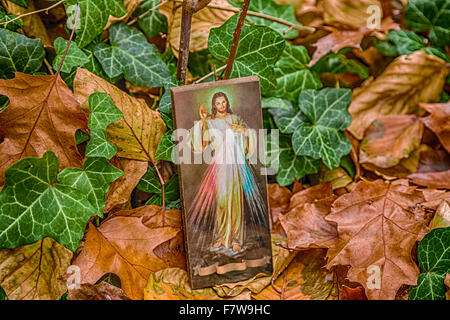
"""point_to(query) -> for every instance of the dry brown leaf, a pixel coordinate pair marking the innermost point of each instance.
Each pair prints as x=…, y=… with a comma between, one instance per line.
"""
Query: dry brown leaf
x=32, y=24
x=278, y=200
x=390, y=139
x=432, y=160
x=173, y=284
x=439, y=121
x=35, y=271
x=441, y=218
x=130, y=6
x=378, y=225
x=305, y=223
x=139, y=132
x=281, y=259
x=339, y=178
x=101, y=291
x=119, y=193
x=304, y=279
x=447, y=283
x=337, y=40
x=125, y=246
x=357, y=293
x=407, y=81
x=432, y=180
x=43, y=114
x=351, y=13
x=202, y=22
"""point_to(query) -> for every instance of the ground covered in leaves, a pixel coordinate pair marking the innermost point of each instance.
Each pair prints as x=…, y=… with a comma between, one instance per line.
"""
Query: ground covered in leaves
x=89, y=194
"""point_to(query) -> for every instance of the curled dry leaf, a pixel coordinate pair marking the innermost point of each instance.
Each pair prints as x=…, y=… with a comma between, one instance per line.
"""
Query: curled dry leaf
x=138, y=133
x=130, y=6
x=378, y=224
x=304, y=279
x=439, y=121
x=173, y=284
x=390, y=139
x=305, y=223
x=43, y=115
x=350, y=13
x=35, y=271
x=433, y=180
x=202, y=22
x=407, y=81
x=125, y=246
x=119, y=192
x=281, y=259
x=279, y=198
x=441, y=218
x=339, y=178
x=101, y=291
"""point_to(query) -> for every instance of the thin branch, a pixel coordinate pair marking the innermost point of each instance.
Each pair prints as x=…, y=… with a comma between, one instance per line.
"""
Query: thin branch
x=236, y=36
x=263, y=16
x=185, y=37
x=77, y=14
x=33, y=12
x=210, y=74
x=49, y=66
x=147, y=12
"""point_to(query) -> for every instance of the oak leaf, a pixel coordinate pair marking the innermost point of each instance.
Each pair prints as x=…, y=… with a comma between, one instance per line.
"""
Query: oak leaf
x=305, y=223
x=125, y=246
x=43, y=114
x=140, y=130
x=390, y=139
x=34, y=271
x=378, y=224
x=439, y=121
x=407, y=81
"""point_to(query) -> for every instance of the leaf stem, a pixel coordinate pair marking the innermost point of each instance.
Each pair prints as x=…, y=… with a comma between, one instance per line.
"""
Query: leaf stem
x=210, y=74
x=33, y=12
x=263, y=16
x=147, y=12
x=77, y=14
x=236, y=36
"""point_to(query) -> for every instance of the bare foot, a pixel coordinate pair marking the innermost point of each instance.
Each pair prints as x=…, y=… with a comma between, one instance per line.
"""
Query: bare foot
x=236, y=247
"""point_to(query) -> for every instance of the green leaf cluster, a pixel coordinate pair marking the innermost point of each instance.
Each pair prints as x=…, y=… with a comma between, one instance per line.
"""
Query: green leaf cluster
x=150, y=183
x=434, y=260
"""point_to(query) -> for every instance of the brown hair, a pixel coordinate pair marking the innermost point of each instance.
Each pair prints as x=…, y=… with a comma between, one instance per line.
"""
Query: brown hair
x=213, y=103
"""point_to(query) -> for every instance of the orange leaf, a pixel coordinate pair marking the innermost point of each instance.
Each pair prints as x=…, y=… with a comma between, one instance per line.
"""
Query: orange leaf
x=378, y=224
x=439, y=121
x=43, y=114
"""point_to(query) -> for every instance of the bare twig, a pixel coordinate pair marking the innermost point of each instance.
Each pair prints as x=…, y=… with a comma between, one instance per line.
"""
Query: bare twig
x=33, y=12
x=263, y=16
x=77, y=14
x=215, y=73
x=49, y=66
x=236, y=36
x=147, y=12
x=210, y=74
x=185, y=35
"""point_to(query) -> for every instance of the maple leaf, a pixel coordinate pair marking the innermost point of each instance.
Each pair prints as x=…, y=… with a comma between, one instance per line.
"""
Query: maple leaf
x=43, y=114
x=138, y=133
x=378, y=224
x=407, y=81
x=305, y=223
x=34, y=271
x=125, y=246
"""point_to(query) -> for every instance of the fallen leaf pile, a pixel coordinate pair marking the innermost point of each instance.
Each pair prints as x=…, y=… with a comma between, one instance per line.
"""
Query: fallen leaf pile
x=359, y=199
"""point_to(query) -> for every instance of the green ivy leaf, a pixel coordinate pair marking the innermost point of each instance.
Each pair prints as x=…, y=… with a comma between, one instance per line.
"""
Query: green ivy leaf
x=22, y=3
x=19, y=54
x=81, y=137
x=75, y=56
x=322, y=136
x=201, y=63
x=154, y=22
x=293, y=74
x=406, y=42
x=165, y=147
x=103, y=113
x=12, y=26
x=269, y=7
x=94, y=15
x=275, y=103
x=253, y=58
x=4, y=102
x=434, y=260
x=3, y=295
x=287, y=120
x=131, y=55
x=93, y=180
x=150, y=183
x=337, y=63
x=432, y=15
x=33, y=206
x=290, y=166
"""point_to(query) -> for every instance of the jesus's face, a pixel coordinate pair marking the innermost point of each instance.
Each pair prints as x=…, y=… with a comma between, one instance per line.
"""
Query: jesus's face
x=221, y=104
